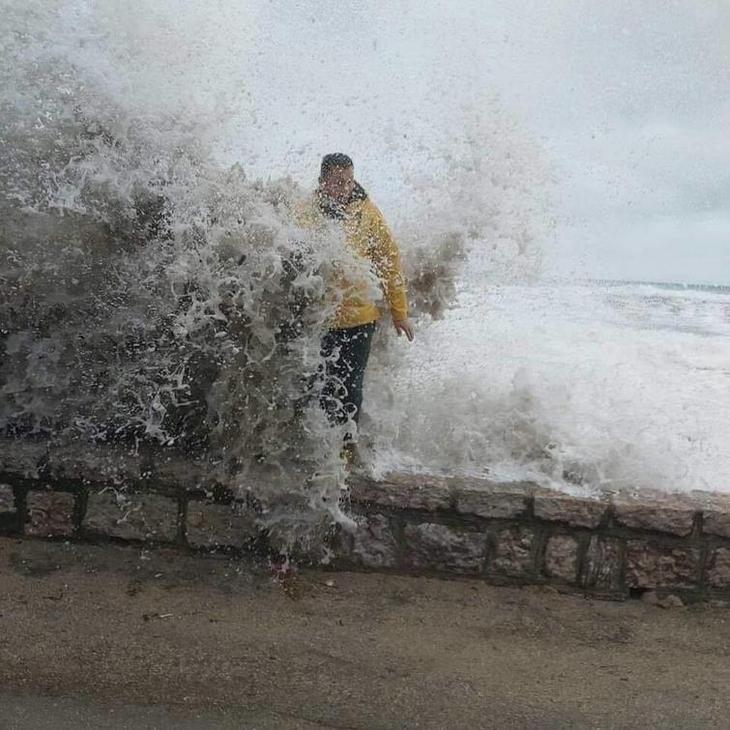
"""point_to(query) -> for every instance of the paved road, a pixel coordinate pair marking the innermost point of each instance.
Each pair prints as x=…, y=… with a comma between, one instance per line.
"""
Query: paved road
x=114, y=637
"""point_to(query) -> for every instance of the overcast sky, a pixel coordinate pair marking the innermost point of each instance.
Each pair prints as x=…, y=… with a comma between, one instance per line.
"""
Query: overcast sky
x=629, y=101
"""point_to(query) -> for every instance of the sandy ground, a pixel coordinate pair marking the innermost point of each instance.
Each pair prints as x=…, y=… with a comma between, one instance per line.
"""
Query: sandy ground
x=115, y=637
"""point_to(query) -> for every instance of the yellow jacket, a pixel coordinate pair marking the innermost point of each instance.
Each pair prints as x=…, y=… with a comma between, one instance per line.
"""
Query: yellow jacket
x=367, y=235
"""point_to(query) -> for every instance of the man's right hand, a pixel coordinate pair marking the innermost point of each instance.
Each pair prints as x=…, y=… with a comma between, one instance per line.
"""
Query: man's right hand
x=404, y=326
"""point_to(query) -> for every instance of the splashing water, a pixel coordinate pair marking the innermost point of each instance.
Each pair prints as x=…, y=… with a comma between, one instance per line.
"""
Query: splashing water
x=576, y=386
x=154, y=295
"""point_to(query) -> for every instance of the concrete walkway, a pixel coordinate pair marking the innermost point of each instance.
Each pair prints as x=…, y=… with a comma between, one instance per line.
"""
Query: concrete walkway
x=94, y=636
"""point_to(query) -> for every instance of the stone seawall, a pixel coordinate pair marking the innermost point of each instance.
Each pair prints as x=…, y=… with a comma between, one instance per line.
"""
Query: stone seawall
x=615, y=545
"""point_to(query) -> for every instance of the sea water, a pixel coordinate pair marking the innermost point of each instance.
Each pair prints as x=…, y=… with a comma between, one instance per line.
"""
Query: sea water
x=159, y=294
x=596, y=384
x=151, y=158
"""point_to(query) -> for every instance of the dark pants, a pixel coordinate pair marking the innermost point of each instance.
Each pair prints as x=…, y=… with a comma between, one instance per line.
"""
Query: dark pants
x=345, y=354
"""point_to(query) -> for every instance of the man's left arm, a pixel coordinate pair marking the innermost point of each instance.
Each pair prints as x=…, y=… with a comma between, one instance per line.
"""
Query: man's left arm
x=386, y=258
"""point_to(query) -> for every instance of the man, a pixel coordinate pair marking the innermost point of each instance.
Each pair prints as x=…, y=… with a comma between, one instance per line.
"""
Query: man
x=346, y=345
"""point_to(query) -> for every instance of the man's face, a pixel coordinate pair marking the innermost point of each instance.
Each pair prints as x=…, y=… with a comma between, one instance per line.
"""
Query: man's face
x=338, y=184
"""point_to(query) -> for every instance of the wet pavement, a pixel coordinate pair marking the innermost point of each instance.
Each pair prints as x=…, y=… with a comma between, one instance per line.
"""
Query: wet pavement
x=121, y=637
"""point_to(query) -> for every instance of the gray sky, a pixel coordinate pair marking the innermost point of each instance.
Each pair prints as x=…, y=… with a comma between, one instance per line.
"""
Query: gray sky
x=629, y=101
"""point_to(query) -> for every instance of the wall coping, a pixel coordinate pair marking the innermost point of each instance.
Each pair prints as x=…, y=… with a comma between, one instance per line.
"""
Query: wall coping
x=612, y=543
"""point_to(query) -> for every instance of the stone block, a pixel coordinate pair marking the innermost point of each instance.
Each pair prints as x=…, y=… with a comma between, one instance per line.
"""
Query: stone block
x=513, y=552
x=21, y=458
x=602, y=564
x=561, y=558
x=438, y=547
x=493, y=499
x=174, y=472
x=715, y=508
x=575, y=511
x=650, y=565
x=373, y=543
x=132, y=516
x=671, y=516
x=93, y=463
x=50, y=514
x=217, y=525
x=718, y=568
x=404, y=491
x=716, y=523
x=7, y=499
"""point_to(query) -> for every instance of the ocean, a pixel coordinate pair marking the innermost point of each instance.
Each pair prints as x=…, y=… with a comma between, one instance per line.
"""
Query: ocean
x=151, y=158
x=597, y=384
